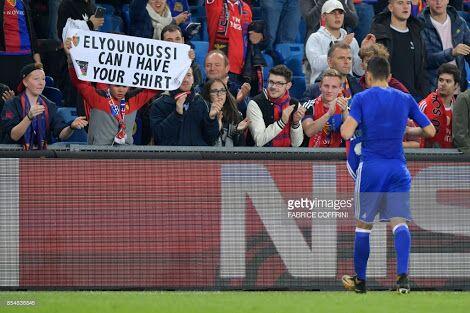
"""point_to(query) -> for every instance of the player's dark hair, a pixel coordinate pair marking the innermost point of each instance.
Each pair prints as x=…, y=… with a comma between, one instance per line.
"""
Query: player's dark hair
x=282, y=70
x=379, y=68
x=450, y=69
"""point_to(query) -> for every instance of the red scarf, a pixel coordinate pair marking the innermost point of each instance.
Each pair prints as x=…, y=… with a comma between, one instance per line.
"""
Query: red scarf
x=433, y=107
x=280, y=104
x=221, y=34
x=324, y=138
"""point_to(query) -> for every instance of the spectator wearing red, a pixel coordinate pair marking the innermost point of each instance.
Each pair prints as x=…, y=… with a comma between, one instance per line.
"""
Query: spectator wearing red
x=112, y=111
x=437, y=106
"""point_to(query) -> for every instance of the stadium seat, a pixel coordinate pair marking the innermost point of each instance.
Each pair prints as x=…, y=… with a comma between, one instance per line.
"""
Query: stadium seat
x=69, y=114
x=108, y=7
x=295, y=65
x=298, y=87
x=290, y=50
x=112, y=24
x=200, y=48
x=126, y=17
x=50, y=81
x=302, y=32
x=54, y=94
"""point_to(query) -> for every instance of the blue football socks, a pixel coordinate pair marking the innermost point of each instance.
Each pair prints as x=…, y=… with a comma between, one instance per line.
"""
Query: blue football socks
x=402, y=239
x=361, y=252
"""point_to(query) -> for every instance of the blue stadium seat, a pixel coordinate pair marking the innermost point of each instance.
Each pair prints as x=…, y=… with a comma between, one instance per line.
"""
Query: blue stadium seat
x=302, y=32
x=200, y=48
x=269, y=65
x=50, y=81
x=54, y=94
x=295, y=65
x=197, y=11
x=290, y=50
x=298, y=87
x=112, y=24
x=126, y=17
x=108, y=7
x=69, y=114
x=256, y=13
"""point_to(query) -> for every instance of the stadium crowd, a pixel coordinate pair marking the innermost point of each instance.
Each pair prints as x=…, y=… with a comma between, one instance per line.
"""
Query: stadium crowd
x=267, y=73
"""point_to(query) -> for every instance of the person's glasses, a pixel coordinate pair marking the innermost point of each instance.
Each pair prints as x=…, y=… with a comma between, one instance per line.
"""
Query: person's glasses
x=277, y=84
x=218, y=92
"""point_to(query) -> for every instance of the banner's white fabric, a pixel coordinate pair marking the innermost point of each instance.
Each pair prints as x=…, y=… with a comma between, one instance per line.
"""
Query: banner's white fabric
x=128, y=61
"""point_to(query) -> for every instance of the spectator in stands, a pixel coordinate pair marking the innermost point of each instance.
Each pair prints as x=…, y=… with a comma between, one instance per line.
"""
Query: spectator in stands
x=400, y=32
x=182, y=117
x=113, y=111
x=377, y=50
x=461, y=122
x=312, y=13
x=323, y=120
x=282, y=19
x=275, y=117
x=447, y=39
x=18, y=42
x=148, y=17
x=340, y=58
x=437, y=106
x=30, y=118
x=231, y=123
x=318, y=43
x=365, y=14
x=53, y=7
x=217, y=66
x=76, y=10
x=227, y=26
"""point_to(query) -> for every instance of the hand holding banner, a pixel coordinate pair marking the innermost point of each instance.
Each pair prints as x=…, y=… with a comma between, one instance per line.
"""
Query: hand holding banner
x=128, y=61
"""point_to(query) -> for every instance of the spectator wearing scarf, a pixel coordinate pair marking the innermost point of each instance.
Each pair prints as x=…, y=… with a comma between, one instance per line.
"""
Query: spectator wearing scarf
x=274, y=116
x=324, y=118
x=31, y=119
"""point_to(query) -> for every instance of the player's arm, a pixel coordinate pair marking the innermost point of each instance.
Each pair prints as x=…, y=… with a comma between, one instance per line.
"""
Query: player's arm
x=426, y=132
x=348, y=128
x=426, y=129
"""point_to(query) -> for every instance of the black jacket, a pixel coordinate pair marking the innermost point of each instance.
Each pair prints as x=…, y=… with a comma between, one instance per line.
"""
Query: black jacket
x=192, y=128
x=76, y=10
x=381, y=29
x=32, y=33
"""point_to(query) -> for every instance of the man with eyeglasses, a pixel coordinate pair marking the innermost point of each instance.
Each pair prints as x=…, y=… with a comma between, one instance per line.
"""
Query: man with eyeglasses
x=275, y=116
x=318, y=44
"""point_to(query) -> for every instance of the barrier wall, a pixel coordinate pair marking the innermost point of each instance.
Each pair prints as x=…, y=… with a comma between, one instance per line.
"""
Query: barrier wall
x=217, y=224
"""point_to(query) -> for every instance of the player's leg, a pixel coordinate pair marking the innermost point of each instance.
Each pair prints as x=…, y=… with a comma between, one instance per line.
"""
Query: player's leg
x=367, y=202
x=402, y=240
x=397, y=212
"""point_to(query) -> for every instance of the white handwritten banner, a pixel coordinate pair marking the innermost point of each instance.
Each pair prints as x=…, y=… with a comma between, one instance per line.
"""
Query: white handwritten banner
x=128, y=61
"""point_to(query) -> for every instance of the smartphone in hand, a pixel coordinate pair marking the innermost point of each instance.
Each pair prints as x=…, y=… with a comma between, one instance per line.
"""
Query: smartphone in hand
x=99, y=13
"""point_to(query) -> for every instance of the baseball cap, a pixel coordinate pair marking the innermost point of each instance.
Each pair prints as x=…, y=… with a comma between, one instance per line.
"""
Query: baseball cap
x=331, y=5
x=26, y=70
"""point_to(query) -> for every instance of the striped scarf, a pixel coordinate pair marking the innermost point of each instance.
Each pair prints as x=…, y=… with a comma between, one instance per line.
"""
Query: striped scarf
x=280, y=104
x=35, y=135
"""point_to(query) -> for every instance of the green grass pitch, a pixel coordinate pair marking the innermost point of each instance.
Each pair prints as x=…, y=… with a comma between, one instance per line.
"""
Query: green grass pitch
x=245, y=302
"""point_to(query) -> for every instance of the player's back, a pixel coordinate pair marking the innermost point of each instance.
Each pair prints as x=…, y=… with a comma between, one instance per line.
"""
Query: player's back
x=383, y=118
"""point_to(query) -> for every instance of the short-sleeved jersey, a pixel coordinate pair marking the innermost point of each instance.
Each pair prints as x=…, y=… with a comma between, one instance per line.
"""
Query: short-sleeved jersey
x=382, y=115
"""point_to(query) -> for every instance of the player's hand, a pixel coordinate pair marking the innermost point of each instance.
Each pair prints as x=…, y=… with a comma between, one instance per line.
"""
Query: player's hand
x=191, y=54
x=286, y=113
x=97, y=22
x=35, y=110
x=298, y=115
x=79, y=123
x=461, y=49
x=348, y=38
